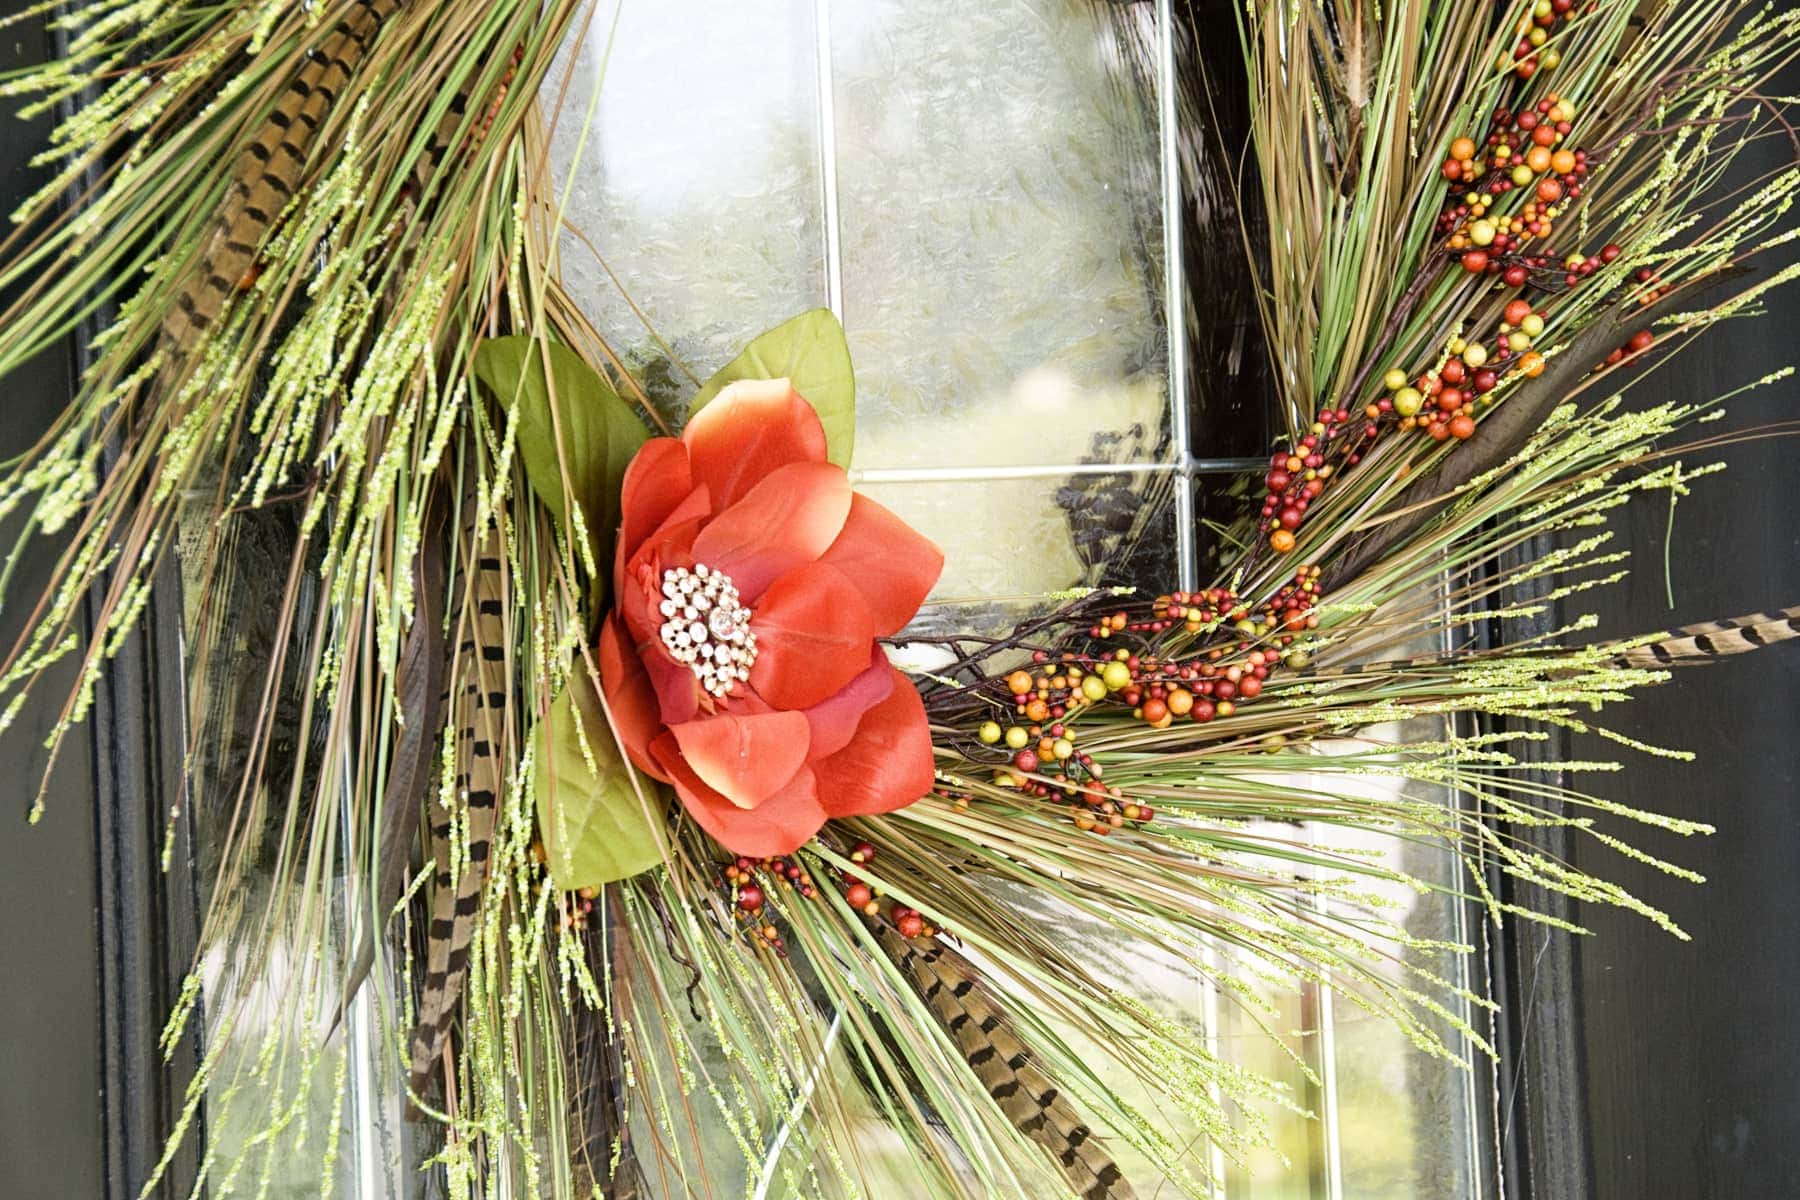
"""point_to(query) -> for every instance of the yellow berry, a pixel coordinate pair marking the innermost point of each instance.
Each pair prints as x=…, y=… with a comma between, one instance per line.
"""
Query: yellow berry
x=1093, y=687
x=1408, y=401
x=1474, y=354
x=989, y=732
x=1016, y=737
x=1394, y=380
x=1115, y=675
x=1532, y=325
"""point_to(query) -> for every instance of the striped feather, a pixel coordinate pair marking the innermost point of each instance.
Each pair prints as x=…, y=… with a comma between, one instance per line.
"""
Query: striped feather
x=480, y=693
x=266, y=176
x=949, y=985
x=1709, y=641
x=1687, y=646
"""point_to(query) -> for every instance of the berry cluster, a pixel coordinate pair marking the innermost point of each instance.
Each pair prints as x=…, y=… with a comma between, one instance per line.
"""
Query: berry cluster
x=1639, y=342
x=747, y=879
x=1296, y=477
x=1242, y=648
x=1522, y=150
x=865, y=899
x=1443, y=402
x=1530, y=53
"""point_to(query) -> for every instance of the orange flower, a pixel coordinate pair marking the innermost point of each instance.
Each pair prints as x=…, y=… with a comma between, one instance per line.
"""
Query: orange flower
x=739, y=660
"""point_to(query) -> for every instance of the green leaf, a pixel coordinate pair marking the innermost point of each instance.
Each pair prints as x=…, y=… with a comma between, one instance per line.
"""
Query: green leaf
x=594, y=826
x=810, y=352
x=600, y=432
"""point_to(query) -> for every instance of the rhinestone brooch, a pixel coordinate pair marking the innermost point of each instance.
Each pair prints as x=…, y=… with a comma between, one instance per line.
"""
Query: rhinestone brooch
x=706, y=626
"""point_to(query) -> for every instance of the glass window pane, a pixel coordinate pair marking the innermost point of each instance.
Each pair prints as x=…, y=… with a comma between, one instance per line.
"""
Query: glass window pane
x=1001, y=227
x=1034, y=535
x=697, y=180
x=1404, y=1121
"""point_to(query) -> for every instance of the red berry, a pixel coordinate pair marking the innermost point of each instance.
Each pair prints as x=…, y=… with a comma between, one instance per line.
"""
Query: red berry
x=1641, y=340
x=911, y=925
x=750, y=898
x=1475, y=261
x=1516, y=312
x=859, y=895
x=1515, y=276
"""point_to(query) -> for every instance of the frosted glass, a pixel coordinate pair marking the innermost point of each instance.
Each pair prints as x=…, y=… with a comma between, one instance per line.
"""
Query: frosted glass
x=697, y=182
x=1014, y=538
x=1001, y=229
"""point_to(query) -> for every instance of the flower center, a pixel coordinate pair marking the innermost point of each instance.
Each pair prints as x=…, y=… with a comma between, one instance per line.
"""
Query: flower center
x=706, y=626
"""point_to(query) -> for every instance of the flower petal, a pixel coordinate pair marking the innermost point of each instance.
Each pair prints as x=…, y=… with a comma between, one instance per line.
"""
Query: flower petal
x=677, y=690
x=746, y=759
x=637, y=582
x=813, y=632
x=785, y=521
x=781, y=824
x=887, y=765
x=750, y=429
x=658, y=479
x=833, y=721
x=895, y=566
x=629, y=696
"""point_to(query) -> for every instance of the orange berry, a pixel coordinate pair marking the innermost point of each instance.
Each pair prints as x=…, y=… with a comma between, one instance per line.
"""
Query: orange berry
x=1532, y=364
x=1462, y=149
x=1282, y=541
x=1019, y=682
